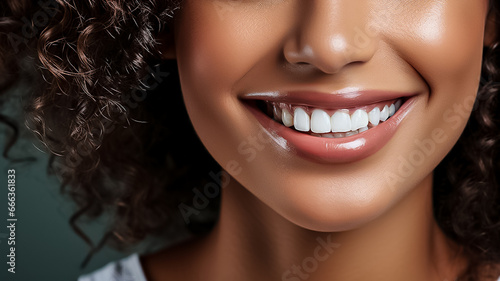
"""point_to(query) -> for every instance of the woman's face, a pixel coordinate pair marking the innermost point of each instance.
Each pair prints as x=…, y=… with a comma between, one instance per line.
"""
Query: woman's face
x=293, y=98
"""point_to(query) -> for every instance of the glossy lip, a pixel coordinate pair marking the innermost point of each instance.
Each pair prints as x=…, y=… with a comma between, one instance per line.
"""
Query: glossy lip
x=338, y=100
x=333, y=150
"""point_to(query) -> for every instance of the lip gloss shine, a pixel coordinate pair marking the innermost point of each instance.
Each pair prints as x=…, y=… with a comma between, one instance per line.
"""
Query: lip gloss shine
x=335, y=150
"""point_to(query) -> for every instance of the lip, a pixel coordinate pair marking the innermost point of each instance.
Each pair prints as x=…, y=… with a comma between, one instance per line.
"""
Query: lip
x=338, y=100
x=332, y=150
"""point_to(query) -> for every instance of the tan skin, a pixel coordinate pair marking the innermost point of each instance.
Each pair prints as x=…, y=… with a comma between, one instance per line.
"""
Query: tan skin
x=278, y=204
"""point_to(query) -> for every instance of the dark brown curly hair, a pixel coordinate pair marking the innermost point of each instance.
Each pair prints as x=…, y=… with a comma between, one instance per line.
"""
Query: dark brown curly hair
x=102, y=99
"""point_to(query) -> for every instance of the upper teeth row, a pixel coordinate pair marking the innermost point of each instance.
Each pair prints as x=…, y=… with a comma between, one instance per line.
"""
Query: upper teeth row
x=340, y=122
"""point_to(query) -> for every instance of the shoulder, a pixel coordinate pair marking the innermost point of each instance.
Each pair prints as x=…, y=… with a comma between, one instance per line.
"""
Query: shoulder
x=126, y=269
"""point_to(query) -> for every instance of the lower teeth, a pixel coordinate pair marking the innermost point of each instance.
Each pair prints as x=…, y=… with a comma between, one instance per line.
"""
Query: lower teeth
x=339, y=135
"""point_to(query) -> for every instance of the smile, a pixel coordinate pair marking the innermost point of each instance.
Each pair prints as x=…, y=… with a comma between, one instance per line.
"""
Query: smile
x=331, y=123
x=334, y=128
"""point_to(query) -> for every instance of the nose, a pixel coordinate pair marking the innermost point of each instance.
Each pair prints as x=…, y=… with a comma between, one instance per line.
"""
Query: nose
x=331, y=34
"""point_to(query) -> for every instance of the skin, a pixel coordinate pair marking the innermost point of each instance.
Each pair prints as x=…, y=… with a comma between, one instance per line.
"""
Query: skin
x=277, y=205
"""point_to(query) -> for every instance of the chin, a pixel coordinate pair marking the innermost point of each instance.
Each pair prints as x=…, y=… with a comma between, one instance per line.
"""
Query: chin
x=332, y=205
x=324, y=217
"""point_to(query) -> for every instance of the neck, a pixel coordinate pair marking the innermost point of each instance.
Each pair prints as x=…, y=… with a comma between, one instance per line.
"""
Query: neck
x=252, y=242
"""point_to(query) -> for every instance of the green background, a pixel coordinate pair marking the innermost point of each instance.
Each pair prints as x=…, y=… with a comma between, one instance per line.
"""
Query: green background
x=47, y=249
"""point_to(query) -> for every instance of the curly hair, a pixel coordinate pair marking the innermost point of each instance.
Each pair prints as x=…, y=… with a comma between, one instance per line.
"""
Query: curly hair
x=103, y=101
x=101, y=105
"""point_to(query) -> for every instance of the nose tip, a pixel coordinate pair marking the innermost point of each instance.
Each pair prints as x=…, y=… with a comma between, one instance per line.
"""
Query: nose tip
x=329, y=56
x=328, y=38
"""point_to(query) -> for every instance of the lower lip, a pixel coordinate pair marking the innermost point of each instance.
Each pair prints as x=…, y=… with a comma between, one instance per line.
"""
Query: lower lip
x=336, y=150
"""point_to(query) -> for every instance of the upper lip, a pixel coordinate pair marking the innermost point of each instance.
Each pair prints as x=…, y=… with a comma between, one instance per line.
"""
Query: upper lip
x=334, y=100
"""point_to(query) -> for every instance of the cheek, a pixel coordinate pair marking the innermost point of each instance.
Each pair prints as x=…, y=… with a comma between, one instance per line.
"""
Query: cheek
x=217, y=43
x=209, y=48
x=444, y=45
x=206, y=61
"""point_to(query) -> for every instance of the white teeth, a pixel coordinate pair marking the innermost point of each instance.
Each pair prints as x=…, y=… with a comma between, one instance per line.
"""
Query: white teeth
x=359, y=119
x=341, y=124
x=341, y=121
x=392, y=110
x=398, y=104
x=301, y=120
x=384, y=114
x=374, y=116
x=363, y=129
x=287, y=118
x=320, y=122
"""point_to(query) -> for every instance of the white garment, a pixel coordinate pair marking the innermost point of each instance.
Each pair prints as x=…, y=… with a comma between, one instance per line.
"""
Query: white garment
x=126, y=269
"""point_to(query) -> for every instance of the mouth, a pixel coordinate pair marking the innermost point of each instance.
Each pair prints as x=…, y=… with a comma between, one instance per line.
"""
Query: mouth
x=333, y=128
x=330, y=123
